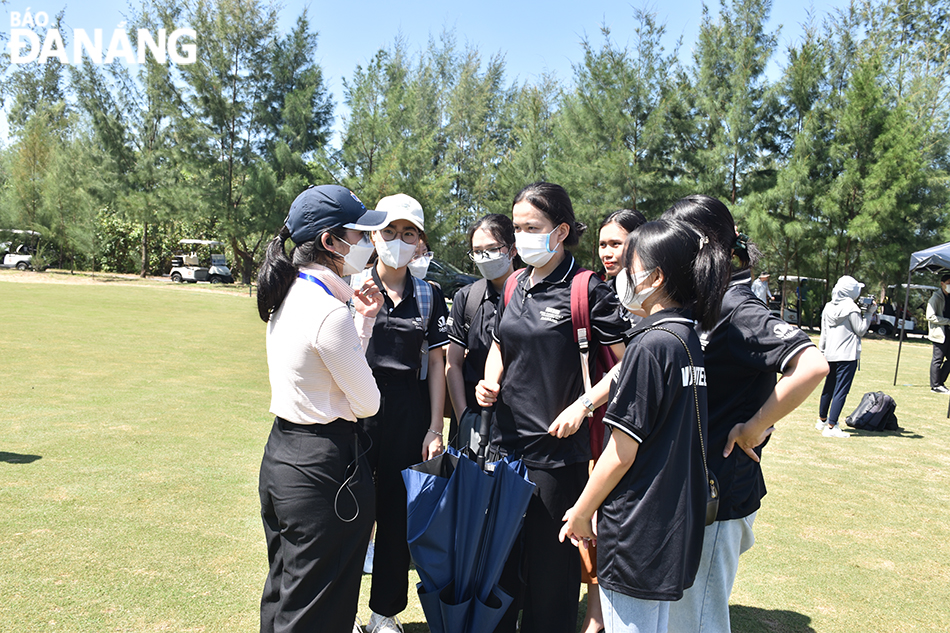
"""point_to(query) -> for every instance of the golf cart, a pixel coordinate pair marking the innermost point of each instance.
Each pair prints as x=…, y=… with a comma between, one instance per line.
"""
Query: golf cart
x=21, y=257
x=888, y=323
x=191, y=268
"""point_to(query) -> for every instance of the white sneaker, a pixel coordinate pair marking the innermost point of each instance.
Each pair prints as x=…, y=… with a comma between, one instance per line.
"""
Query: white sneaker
x=358, y=625
x=368, y=560
x=382, y=624
x=834, y=431
x=821, y=425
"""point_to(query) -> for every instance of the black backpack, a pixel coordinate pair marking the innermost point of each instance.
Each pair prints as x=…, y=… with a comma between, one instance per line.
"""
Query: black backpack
x=874, y=413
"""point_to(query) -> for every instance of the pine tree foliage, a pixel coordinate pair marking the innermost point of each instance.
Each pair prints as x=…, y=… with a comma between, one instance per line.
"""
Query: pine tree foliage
x=838, y=164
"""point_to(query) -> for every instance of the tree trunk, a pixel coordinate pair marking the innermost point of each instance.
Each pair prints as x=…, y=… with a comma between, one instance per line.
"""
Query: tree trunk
x=144, y=271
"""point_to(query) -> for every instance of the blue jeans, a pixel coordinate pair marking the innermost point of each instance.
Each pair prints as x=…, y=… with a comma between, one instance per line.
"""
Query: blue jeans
x=835, y=391
x=704, y=607
x=624, y=614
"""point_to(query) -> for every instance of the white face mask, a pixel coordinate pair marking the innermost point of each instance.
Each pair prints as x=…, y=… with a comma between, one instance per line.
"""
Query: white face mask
x=626, y=289
x=355, y=260
x=394, y=253
x=420, y=266
x=493, y=268
x=535, y=248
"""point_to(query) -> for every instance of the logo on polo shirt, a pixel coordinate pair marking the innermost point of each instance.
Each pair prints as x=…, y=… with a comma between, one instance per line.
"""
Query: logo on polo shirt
x=783, y=330
x=693, y=374
x=552, y=315
x=417, y=321
x=442, y=324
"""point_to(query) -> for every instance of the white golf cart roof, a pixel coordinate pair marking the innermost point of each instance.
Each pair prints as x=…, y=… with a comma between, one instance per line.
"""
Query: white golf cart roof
x=6, y=245
x=204, y=242
x=795, y=278
x=913, y=286
x=18, y=231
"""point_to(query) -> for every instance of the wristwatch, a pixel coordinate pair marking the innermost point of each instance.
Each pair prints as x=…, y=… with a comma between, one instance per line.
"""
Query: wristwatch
x=584, y=400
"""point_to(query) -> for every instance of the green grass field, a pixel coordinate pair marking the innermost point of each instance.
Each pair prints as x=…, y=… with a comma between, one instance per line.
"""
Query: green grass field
x=133, y=416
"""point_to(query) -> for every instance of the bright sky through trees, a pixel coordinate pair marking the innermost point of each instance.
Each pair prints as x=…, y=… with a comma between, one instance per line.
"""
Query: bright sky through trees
x=535, y=37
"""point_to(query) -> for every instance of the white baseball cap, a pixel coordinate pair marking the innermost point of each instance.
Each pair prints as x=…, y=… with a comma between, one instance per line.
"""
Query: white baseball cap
x=402, y=207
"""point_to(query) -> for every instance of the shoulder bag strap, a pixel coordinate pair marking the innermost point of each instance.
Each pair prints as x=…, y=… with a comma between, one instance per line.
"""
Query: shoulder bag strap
x=699, y=423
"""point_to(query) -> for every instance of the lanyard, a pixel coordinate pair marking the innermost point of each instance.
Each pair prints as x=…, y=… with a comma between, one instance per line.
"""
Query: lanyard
x=315, y=280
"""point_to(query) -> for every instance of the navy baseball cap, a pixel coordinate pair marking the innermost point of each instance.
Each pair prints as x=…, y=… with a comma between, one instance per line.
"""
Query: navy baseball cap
x=321, y=207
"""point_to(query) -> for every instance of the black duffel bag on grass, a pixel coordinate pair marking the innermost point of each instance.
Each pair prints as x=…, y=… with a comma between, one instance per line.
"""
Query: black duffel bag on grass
x=874, y=413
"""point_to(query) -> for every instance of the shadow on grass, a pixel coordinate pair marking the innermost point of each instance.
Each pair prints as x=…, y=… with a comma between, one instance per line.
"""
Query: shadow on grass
x=17, y=458
x=904, y=433
x=755, y=620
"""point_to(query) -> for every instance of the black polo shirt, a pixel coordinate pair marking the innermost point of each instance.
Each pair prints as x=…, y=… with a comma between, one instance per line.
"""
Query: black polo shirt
x=542, y=374
x=744, y=352
x=395, y=349
x=650, y=527
x=477, y=339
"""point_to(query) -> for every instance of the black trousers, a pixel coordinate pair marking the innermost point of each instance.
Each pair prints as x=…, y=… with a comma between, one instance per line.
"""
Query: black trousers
x=541, y=573
x=317, y=505
x=940, y=366
x=397, y=433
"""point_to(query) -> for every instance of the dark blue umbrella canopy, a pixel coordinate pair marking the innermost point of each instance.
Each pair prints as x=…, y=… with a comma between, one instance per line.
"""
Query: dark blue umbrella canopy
x=462, y=523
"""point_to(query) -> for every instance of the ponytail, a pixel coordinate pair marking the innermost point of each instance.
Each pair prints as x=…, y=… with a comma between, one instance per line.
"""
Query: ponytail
x=275, y=276
x=710, y=280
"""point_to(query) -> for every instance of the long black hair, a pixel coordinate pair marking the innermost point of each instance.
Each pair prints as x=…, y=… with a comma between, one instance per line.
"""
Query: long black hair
x=552, y=200
x=713, y=218
x=627, y=219
x=695, y=274
x=277, y=272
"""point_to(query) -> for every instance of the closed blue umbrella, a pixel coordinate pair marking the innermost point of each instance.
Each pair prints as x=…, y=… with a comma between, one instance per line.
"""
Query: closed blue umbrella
x=462, y=523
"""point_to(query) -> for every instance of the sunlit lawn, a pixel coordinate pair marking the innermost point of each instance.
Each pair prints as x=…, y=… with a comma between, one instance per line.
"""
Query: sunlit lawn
x=133, y=417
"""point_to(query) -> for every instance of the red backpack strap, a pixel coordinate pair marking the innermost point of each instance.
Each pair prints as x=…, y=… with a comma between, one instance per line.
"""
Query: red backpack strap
x=510, y=284
x=580, y=308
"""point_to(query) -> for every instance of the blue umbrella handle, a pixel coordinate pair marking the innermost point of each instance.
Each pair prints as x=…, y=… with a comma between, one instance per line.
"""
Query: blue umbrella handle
x=483, y=430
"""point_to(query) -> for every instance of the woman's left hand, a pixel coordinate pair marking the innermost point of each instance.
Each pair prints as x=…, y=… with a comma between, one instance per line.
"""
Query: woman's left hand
x=432, y=446
x=578, y=528
x=746, y=437
x=368, y=299
x=569, y=420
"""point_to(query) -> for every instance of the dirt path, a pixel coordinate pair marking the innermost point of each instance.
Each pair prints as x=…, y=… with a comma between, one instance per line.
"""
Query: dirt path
x=53, y=276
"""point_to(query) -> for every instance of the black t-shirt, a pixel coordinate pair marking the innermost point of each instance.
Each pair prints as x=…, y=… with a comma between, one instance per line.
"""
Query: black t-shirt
x=395, y=349
x=476, y=339
x=650, y=527
x=542, y=374
x=743, y=353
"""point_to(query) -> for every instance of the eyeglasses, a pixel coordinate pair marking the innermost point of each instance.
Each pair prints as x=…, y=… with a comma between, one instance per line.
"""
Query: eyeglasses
x=487, y=253
x=409, y=236
x=364, y=237
x=424, y=255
